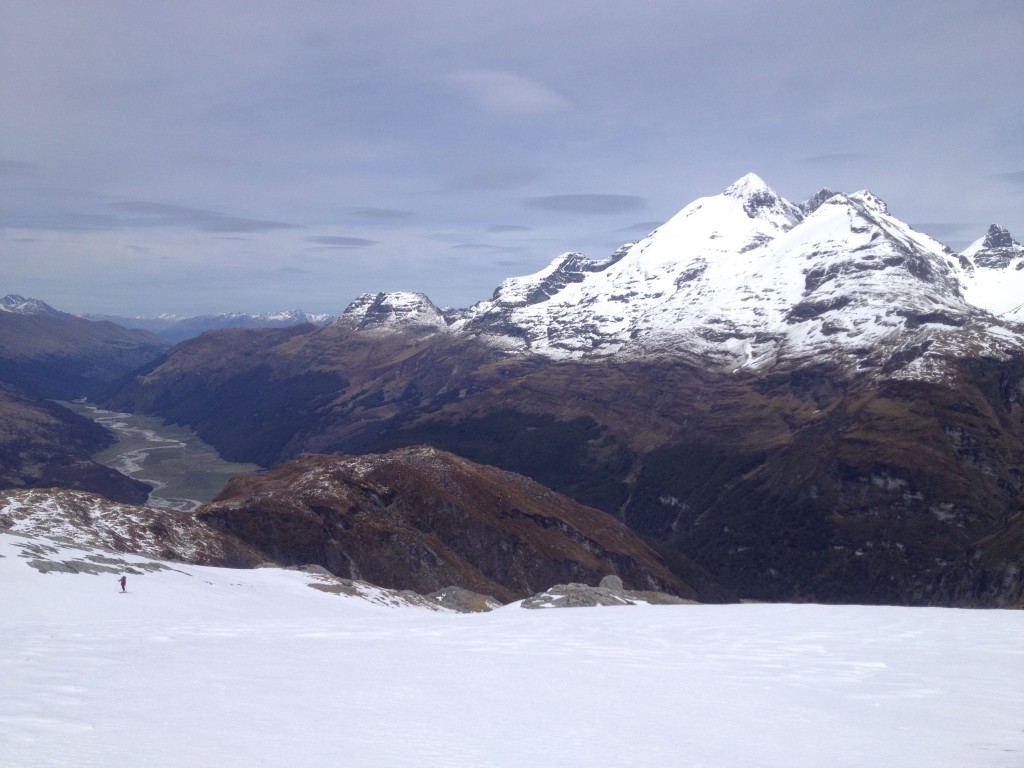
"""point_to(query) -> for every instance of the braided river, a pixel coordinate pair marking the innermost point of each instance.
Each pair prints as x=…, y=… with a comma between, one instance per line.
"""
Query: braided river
x=185, y=472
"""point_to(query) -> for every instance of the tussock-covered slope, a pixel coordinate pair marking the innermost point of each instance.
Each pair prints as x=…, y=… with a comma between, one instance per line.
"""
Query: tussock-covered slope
x=422, y=519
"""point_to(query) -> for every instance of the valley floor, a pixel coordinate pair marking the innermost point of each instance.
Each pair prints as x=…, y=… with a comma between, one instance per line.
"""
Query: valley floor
x=217, y=667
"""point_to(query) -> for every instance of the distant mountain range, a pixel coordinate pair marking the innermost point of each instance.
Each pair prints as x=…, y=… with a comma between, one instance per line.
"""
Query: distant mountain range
x=175, y=329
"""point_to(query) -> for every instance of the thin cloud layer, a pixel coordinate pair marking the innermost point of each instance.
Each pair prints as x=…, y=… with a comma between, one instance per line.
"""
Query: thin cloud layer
x=588, y=203
x=341, y=241
x=507, y=93
x=145, y=214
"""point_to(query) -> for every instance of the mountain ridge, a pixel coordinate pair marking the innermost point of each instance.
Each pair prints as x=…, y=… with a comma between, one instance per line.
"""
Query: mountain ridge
x=176, y=328
x=748, y=279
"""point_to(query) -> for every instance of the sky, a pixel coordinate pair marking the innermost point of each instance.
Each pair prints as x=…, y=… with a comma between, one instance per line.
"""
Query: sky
x=200, y=157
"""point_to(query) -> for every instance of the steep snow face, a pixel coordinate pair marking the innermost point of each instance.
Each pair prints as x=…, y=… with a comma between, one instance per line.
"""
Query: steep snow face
x=390, y=312
x=744, y=278
x=604, y=306
x=993, y=274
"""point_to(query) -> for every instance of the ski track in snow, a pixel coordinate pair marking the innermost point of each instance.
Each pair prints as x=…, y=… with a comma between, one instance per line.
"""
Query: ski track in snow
x=206, y=666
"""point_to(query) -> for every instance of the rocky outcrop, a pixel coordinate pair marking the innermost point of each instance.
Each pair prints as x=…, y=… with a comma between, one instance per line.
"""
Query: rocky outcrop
x=423, y=519
x=583, y=596
x=463, y=600
x=86, y=520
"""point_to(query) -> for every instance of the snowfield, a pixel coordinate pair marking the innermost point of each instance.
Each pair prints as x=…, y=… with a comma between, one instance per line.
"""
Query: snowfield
x=215, y=667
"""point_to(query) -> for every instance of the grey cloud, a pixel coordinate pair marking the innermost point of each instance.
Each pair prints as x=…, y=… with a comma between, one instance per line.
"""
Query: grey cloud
x=588, y=203
x=1016, y=177
x=61, y=221
x=498, y=228
x=497, y=179
x=486, y=247
x=341, y=241
x=146, y=214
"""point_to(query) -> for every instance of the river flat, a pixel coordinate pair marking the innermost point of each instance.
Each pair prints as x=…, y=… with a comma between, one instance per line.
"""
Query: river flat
x=185, y=471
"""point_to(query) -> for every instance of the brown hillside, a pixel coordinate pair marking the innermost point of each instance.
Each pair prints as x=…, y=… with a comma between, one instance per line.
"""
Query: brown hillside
x=423, y=519
x=43, y=444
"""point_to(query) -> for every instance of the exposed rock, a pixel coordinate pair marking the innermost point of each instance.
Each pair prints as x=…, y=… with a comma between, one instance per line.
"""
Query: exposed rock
x=583, y=596
x=612, y=583
x=393, y=598
x=998, y=237
x=393, y=312
x=86, y=520
x=464, y=601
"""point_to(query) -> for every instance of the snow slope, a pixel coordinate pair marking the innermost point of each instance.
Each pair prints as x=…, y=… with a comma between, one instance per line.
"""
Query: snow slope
x=993, y=273
x=204, y=666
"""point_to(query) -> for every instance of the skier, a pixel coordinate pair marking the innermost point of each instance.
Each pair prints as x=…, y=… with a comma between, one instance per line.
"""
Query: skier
x=122, y=581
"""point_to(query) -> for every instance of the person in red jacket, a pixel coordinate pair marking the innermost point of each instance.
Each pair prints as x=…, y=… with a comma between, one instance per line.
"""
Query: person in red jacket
x=122, y=581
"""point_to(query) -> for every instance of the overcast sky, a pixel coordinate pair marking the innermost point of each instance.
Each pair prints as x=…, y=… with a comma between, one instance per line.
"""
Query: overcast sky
x=196, y=157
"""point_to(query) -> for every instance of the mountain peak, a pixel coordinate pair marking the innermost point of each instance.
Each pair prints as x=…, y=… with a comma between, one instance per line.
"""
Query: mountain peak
x=384, y=312
x=750, y=185
x=761, y=201
x=870, y=201
x=19, y=305
x=815, y=201
x=997, y=236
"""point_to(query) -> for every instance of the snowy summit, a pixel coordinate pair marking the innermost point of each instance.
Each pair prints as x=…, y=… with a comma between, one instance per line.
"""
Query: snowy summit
x=745, y=278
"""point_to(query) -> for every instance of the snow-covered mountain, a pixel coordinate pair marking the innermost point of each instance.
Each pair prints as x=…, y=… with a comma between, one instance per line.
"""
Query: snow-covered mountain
x=19, y=305
x=392, y=312
x=993, y=273
x=748, y=279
